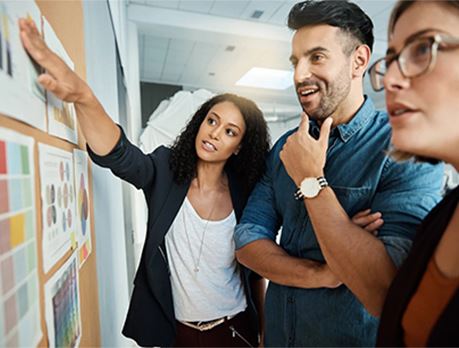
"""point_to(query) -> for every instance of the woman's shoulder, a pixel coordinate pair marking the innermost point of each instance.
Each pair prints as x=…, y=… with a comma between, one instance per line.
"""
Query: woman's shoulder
x=161, y=152
x=160, y=157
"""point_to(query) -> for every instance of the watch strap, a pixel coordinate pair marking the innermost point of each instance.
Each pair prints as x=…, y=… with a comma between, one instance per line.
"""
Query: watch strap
x=322, y=183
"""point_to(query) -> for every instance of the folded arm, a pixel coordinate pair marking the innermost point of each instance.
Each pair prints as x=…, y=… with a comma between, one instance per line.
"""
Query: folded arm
x=405, y=193
x=272, y=262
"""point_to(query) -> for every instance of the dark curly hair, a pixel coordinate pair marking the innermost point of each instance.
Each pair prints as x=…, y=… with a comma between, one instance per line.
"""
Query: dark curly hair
x=338, y=13
x=248, y=164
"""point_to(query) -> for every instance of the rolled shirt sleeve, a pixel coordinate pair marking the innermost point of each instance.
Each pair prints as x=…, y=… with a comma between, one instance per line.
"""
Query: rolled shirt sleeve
x=260, y=219
x=405, y=196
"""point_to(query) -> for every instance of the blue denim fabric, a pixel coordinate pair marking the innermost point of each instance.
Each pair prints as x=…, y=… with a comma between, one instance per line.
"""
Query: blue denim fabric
x=362, y=176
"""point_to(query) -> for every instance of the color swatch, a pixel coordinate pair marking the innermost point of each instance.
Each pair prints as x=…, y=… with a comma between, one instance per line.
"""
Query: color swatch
x=62, y=302
x=19, y=306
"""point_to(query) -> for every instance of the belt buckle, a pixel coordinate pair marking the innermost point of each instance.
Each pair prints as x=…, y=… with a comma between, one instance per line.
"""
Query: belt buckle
x=210, y=325
x=205, y=326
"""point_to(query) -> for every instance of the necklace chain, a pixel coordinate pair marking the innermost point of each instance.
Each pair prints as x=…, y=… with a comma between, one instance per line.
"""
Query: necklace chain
x=197, y=261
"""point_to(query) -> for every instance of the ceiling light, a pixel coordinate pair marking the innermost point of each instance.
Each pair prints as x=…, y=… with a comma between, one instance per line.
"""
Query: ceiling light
x=267, y=78
x=257, y=14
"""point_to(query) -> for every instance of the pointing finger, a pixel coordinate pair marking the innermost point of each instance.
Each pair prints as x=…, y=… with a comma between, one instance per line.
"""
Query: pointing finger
x=304, y=124
x=325, y=130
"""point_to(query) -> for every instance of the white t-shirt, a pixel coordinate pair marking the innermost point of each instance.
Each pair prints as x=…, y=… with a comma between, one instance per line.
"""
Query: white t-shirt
x=216, y=290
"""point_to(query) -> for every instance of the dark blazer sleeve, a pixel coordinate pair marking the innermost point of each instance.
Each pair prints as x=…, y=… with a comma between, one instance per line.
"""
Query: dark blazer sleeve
x=128, y=162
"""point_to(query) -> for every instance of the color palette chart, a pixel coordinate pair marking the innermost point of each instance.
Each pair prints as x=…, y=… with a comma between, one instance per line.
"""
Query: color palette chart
x=19, y=286
x=58, y=203
x=62, y=305
x=83, y=221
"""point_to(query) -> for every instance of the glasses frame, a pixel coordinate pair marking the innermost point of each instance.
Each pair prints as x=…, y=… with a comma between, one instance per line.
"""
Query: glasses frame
x=436, y=40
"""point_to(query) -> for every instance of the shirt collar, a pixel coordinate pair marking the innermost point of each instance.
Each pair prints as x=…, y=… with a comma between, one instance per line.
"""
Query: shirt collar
x=347, y=130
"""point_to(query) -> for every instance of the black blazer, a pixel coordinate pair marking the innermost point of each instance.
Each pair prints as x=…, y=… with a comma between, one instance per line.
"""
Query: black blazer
x=446, y=330
x=150, y=320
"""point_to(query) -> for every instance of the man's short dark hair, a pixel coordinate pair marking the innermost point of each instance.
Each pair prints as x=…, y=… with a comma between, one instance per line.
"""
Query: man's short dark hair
x=338, y=13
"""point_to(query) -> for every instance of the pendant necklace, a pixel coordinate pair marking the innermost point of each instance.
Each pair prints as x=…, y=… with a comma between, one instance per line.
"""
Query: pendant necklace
x=197, y=261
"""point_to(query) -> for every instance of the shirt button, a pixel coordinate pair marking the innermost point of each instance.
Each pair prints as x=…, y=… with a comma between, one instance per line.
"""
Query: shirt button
x=290, y=299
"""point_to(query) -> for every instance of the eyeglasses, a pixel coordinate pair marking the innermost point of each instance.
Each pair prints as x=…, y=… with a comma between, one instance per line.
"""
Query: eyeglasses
x=416, y=58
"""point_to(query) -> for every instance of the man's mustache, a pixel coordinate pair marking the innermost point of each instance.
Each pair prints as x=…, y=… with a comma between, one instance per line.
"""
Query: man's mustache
x=307, y=83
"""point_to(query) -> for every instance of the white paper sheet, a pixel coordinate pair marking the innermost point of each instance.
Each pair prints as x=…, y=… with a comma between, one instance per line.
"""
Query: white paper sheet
x=62, y=306
x=58, y=203
x=19, y=286
x=62, y=121
x=21, y=97
x=83, y=219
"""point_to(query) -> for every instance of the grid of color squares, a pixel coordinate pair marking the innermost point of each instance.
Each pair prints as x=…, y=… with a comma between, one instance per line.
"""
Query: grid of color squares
x=66, y=309
x=19, y=306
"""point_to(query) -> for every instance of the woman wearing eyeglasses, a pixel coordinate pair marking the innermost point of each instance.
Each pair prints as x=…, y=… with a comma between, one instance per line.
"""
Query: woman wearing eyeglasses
x=420, y=75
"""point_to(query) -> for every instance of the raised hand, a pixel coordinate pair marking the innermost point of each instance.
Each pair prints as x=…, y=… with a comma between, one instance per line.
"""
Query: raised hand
x=59, y=79
x=100, y=132
x=302, y=155
x=368, y=220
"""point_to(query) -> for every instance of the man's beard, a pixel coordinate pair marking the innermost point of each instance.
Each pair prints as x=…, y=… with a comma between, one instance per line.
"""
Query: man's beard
x=337, y=93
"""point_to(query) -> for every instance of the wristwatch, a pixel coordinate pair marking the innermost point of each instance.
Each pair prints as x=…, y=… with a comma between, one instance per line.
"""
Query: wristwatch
x=310, y=187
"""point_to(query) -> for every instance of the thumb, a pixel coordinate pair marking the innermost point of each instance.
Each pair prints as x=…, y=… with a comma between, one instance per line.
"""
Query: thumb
x=52, y=85
x=325, y=130
x=48, y=82
x=304, y=124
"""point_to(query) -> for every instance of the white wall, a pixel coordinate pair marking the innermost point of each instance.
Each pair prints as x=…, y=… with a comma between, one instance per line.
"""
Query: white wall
x=108, y=201
x=276, y=129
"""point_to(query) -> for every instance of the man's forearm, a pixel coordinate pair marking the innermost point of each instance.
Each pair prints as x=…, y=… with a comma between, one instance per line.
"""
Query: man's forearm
x=258, y=288
x=272, y=262
x=359, y=258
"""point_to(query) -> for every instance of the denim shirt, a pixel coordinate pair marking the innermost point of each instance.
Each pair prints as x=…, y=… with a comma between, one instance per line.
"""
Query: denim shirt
x=362, y=176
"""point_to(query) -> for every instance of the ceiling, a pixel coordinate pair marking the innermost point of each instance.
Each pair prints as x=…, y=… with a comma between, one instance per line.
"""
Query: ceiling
x=212, y=43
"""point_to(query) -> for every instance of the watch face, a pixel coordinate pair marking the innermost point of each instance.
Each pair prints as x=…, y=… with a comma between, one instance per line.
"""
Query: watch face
x=310, y=187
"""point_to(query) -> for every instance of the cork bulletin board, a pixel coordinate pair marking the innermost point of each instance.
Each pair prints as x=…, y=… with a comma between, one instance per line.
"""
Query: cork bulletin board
x=20, y=275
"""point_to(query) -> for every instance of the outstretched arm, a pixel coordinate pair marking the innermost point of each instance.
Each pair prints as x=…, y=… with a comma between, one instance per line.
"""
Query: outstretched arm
x=100, y=131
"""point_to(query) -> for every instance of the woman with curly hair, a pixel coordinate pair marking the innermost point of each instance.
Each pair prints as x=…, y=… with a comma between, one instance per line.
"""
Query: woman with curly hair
x=189, y=289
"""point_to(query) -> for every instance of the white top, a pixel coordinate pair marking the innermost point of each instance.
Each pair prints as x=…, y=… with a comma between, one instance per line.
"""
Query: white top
x=216, y=290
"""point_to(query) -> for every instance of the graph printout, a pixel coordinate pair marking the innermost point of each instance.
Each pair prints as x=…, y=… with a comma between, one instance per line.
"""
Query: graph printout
x=83, y=210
